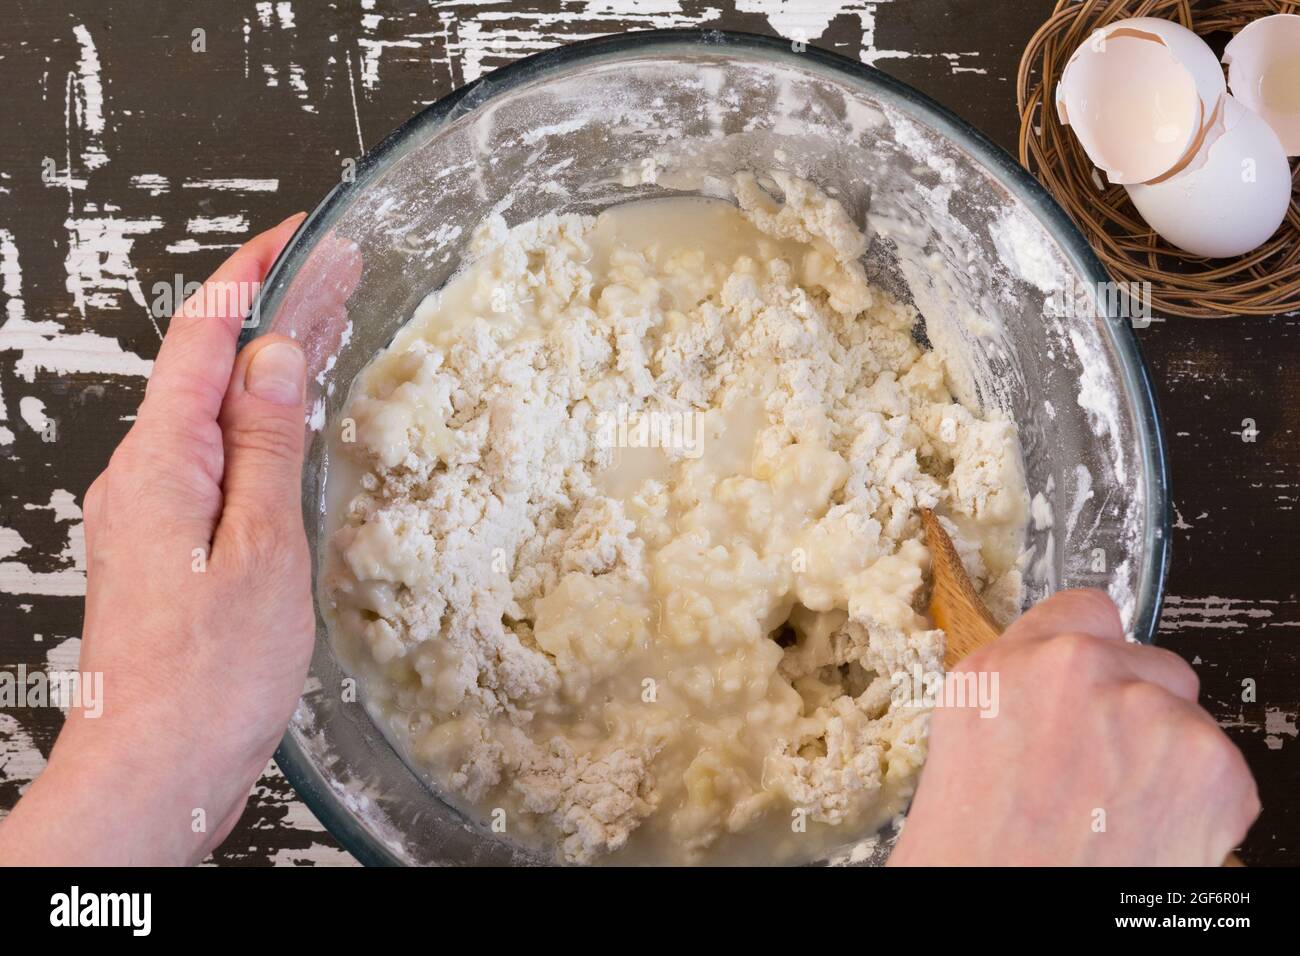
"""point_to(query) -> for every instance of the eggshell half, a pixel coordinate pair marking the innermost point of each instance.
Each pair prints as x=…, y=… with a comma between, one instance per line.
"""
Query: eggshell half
x=1264, y=74
x=1137, y=93
x=1235, y=198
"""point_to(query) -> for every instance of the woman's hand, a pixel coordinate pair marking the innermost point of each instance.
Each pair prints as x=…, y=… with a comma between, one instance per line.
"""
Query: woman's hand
x=198, y=604
x=1098, y=754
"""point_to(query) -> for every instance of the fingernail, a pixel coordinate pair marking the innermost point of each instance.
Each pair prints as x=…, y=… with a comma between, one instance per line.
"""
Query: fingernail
x=276, y=373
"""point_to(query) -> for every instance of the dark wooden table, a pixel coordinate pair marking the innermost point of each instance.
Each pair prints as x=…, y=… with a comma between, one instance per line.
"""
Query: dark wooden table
x=141, y=141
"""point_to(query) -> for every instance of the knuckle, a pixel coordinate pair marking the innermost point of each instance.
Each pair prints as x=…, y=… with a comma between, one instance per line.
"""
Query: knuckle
x=121, y=480
x=124, y=455
x=182, y=426
x=177, y=442
x=1073, y=653
x=92, y=504
x=984, y=659
x=1144, y=701
x=194, y=332
x=1216, y=751
x=167, y=479
x=1178, y=667
x=1248, y=805
x=269, y=437
x=194, y=394
x=204, y=452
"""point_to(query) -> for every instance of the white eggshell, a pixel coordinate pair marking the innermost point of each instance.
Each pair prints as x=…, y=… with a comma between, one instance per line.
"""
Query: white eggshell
x=1264, y=73
x=1136, y=94
x=1189, y=49
x=1236, y=198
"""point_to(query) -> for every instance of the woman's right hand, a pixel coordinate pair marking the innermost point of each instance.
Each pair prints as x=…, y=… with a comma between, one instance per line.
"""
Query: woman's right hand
x=1098, y=755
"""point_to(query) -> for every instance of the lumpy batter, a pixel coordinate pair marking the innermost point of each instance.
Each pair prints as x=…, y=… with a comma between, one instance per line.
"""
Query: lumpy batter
x=626, y=542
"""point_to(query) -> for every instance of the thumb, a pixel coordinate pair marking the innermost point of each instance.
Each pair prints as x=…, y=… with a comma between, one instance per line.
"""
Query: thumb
x=262, y=430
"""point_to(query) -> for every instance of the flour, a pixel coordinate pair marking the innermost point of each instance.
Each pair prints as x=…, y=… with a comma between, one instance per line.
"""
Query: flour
x=631, y=549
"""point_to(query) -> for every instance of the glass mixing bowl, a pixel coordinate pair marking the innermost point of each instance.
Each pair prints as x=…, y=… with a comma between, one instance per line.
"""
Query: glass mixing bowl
x=1005, y=284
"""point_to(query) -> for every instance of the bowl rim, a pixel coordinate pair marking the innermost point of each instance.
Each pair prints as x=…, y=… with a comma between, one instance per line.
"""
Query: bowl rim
x=301, y=773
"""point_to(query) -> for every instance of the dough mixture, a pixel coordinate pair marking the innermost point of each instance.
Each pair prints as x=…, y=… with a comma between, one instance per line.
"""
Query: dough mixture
x=626, y=545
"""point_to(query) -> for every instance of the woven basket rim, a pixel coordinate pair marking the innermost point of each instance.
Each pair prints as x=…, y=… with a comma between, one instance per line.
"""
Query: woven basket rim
x=1264, y=282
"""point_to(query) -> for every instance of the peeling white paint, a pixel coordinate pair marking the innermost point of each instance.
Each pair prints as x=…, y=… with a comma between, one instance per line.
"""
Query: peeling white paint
x=871, y=54
x=185, y=246
x=32, y=410
x=1213, y=612
x=62, y=503
x=63, y=657
x=804, y=20
x=298, y=817
x=89, y=94
x=69, y=581
x=11, y=278
x=47, y=346
x=17, y=578
x=237, y=224
x=298, y=80
x=1278, y=724
x=155, y=184
x=372, y=51
x=11, y=543
x=356, y=112
x=98, y=263
x=21, y=760
x=234, y=185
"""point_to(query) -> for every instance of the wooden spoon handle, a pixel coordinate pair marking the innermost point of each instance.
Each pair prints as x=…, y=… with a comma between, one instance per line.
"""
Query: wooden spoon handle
x=954, y=604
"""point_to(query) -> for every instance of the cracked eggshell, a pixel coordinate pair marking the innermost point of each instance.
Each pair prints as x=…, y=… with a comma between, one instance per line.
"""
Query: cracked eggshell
x=1264, y=74
x=1137, y=94
x=1235, y=197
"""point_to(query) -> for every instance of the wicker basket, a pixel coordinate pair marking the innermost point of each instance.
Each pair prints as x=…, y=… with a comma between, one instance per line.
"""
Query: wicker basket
x=1263, y=282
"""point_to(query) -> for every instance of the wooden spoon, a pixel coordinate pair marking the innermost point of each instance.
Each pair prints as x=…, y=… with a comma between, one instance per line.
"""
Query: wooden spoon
x=956, y=608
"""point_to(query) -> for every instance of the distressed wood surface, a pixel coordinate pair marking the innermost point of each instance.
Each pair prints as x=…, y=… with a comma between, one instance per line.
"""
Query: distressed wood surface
x=127, y=159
